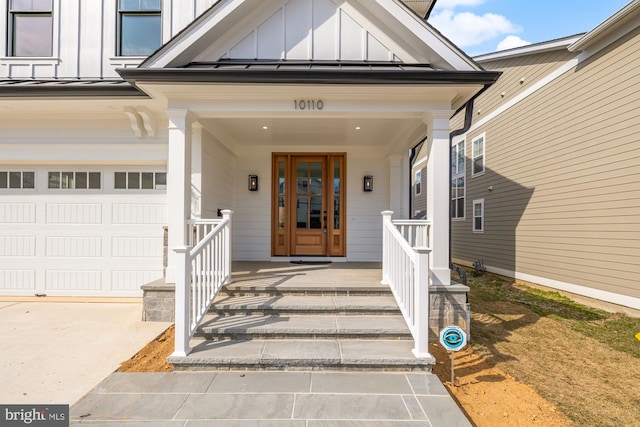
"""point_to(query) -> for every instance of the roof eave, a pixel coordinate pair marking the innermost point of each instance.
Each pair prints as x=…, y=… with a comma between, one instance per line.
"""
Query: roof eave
x=66, y=91
x=280, y=76
x=617, y=19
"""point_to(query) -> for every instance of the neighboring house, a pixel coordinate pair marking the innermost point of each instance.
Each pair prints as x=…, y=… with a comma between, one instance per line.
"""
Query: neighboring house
x=125, y=117
x=546, y=180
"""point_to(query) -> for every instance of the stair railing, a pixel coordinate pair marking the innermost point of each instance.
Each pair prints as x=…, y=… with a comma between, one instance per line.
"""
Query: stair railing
x=405, y=268
x=201, y=271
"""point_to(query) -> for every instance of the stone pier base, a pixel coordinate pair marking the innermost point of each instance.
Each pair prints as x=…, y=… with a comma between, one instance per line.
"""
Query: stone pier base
x=158, y=301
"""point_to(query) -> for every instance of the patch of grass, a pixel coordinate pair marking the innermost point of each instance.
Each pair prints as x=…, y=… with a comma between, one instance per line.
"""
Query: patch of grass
x=617, y=332
x=613, y=329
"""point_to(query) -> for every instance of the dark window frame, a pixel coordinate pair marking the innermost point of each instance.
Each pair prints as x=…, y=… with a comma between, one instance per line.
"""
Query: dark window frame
x=141, y=11
x=12, y=39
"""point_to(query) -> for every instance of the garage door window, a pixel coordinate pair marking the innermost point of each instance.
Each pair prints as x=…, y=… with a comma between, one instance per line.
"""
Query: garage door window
x=140, y=180
x=16, y=180
x=75, y=180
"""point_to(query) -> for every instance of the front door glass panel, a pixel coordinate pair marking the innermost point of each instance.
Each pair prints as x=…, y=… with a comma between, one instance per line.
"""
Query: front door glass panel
x=309, y=195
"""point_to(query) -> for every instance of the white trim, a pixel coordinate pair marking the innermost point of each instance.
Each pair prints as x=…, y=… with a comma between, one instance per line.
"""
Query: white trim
x=473, y=216
x=619, y=299
x=482, y=136
x=571, y=64
x=548, y=46
x=616, y=19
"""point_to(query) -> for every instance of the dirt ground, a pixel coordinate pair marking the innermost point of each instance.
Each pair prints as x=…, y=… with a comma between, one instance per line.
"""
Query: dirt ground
x=488, y=396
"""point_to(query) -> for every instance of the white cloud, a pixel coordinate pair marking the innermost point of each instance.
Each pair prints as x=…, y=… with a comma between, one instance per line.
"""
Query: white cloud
x=468, y=29
x=452, y=4
x=511, y=42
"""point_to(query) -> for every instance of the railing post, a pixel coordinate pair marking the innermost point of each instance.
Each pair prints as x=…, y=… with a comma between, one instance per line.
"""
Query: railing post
x=386, y=222
x=183, y=301
x=422, y=303
x=227, y=214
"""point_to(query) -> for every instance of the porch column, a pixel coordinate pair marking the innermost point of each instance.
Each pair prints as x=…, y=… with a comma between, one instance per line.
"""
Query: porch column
x=178, y=184
x=438, y=201
x=396, y=189
x=196, y=171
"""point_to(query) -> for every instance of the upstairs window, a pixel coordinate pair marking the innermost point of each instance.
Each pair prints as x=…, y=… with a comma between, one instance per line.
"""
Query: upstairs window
x=140, y=27
x=418, y=183
x=478, y=156
x=30, y=28
x=457, y=180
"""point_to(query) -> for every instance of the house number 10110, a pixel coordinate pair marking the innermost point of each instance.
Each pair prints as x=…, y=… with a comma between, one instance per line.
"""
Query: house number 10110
x=308, y=104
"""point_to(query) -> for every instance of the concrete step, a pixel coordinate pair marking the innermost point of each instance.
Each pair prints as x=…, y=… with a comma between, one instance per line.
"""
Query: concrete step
x=253, y=288
x=248, y=327
x=305, y=305
x=302, y=354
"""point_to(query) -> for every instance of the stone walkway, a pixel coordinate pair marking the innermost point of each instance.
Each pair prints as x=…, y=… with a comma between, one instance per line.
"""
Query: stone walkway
x=269, y=399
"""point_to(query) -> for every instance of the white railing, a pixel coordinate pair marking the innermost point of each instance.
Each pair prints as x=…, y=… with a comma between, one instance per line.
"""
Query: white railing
x=415, y=231
x=201, y=271
x=405, y=268
x=198, y=228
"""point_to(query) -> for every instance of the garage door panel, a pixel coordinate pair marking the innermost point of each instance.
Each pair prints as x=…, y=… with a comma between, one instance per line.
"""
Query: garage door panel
x=17, y=246
x=139, y=213
x=18, y=279
x=73, y=213
x=73, y=280
x=17, y=213
x=139, y=247
x=73, y=246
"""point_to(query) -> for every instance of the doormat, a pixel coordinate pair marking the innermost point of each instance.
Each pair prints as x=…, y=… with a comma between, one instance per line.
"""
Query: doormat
x=301, y=262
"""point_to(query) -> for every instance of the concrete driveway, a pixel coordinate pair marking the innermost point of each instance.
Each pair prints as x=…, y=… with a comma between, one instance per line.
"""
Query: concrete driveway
x=56, y=352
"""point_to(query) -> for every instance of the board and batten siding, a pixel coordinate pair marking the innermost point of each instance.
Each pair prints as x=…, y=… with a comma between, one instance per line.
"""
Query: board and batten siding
x=85, y=39
x=564, y=168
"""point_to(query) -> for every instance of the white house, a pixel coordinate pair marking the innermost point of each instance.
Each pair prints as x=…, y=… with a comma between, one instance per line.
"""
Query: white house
x=125, y=117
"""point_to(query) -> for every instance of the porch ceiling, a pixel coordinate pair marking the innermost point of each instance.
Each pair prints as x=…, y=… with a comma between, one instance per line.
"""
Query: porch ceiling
x=390, y=118
x=269, y=131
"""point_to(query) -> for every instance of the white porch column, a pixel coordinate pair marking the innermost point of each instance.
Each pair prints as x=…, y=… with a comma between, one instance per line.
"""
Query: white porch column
x=178, y=184
x=438, y=200
x=396, y=190
x=196, y=171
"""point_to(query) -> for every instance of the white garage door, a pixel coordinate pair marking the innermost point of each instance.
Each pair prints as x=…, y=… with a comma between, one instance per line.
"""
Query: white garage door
x=80, y=231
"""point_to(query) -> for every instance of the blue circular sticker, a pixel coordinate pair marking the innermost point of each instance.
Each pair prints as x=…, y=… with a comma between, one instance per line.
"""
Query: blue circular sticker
x=453, y=338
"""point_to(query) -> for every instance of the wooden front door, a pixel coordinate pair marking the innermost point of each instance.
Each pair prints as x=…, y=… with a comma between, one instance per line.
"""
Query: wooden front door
x=308, y=205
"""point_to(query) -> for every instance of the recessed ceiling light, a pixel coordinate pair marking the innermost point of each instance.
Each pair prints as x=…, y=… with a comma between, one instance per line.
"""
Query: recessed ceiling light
x=357, y=127
x=265, y=127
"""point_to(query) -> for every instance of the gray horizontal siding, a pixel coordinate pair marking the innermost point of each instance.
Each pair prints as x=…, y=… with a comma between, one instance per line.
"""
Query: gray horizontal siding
x=564, y=165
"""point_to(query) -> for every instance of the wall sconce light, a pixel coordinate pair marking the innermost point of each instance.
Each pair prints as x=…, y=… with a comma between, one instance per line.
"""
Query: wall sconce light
x=368, y=183
x=253, y=182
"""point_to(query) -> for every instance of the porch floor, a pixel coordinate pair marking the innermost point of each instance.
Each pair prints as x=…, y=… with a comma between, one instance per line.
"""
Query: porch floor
x=316, y=277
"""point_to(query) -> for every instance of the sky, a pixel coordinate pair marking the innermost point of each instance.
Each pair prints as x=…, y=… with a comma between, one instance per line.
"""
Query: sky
x=483, y=26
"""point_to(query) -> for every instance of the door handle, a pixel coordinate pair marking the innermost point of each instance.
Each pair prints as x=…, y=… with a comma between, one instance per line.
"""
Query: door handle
x=324, y=222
